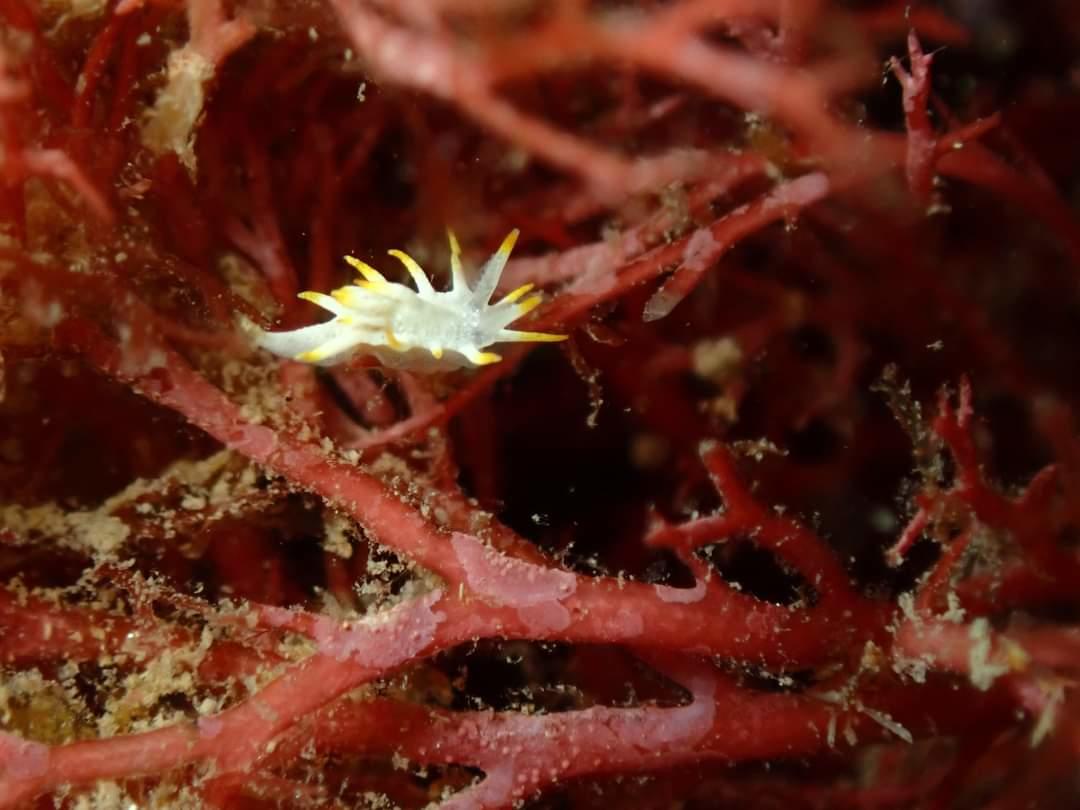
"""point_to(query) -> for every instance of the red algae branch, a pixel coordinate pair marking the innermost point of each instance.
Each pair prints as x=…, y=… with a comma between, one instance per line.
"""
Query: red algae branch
x=798, y=494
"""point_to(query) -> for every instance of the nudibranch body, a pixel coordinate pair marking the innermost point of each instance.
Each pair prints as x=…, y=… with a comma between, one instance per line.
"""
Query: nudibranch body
x=417, y=330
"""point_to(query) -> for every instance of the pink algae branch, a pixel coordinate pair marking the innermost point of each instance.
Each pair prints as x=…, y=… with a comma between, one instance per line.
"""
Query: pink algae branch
x=674, y=137
x=20, y=160
x=238, y=737
x=798, y=547
x=921, y=142
x=172, y=122
x=379, y=642
x=605, y=609
x=521, y=754
x=706, y=245
x=666, y=43
x=349, y=655
x=22, y=762
x=528, y=753
x=1027, y=517
x=534, y=591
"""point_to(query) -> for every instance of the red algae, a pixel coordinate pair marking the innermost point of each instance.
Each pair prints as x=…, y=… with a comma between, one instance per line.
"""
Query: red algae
x=22, y=759
x=383, y=641
x=800, y=494
x=507, y=581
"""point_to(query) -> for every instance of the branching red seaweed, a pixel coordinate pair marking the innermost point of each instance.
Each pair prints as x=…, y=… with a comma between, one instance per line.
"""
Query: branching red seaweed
x=714, y=527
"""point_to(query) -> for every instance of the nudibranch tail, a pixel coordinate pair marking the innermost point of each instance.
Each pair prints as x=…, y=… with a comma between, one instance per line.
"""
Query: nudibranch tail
x=419, y=329
x=316, y=344
x=332, y=348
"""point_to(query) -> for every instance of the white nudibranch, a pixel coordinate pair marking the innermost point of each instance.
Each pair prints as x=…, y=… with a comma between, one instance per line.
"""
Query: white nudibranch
x=416, y=330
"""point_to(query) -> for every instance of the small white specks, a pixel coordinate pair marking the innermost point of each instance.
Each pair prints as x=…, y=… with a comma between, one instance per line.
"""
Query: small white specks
x=883, y=519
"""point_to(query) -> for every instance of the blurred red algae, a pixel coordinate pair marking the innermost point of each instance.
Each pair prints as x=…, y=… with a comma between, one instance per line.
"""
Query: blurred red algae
x=790, y=521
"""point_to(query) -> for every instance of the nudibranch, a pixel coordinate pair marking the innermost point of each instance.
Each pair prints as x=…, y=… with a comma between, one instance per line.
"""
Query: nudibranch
x=416, y=330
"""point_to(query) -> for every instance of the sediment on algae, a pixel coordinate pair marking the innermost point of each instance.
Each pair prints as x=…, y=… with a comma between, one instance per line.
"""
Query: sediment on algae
x=789, y=519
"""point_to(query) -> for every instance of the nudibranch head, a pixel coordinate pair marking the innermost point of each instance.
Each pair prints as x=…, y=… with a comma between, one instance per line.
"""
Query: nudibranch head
x=418, y=330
